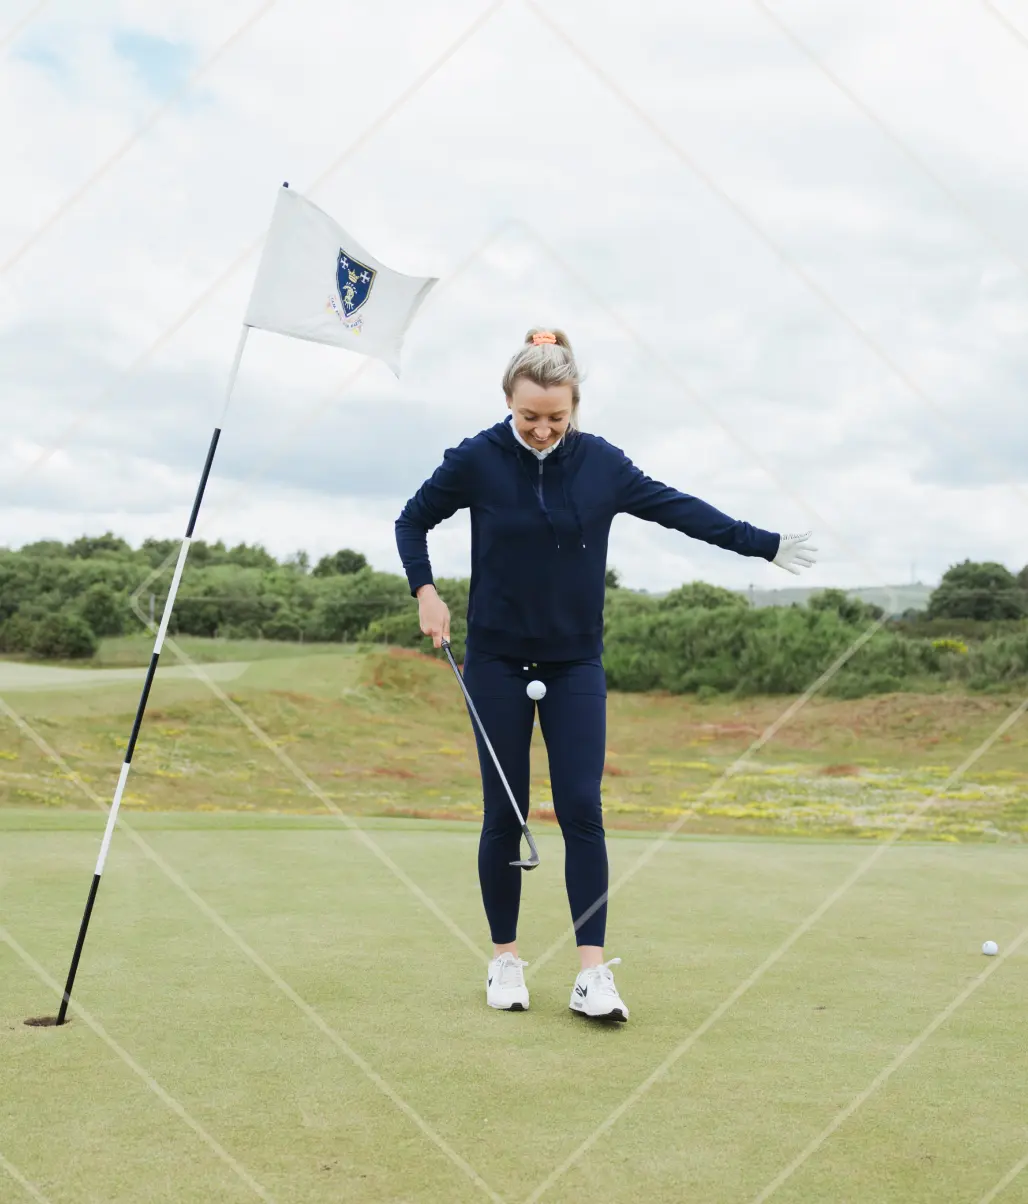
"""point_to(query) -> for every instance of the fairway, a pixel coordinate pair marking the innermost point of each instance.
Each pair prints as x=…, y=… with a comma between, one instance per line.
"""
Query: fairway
x=512, y=1094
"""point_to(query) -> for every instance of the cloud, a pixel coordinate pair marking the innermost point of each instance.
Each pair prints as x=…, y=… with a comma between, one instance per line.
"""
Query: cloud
x=710, y=358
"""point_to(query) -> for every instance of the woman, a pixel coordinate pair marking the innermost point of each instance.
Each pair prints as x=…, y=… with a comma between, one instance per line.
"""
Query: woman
x=542, y=496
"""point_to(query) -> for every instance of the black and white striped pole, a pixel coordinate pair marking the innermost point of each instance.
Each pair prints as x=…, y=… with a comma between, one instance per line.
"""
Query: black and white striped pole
x=112, y=816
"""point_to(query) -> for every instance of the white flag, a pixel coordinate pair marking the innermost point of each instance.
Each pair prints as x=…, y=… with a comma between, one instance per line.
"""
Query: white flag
x=316, y=282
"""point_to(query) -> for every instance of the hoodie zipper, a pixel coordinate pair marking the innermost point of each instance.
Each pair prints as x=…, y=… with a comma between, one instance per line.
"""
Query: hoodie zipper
x=542, y=502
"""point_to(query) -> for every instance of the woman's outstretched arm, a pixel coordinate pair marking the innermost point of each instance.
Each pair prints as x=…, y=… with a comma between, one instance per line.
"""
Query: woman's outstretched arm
x=656, y=502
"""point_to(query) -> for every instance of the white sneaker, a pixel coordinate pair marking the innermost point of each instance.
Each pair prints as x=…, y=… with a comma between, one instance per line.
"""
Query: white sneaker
x=505, y=984
x=594, y=993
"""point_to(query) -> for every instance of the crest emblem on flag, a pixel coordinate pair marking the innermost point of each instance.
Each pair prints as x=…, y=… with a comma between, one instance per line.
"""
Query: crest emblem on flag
x=354, y=281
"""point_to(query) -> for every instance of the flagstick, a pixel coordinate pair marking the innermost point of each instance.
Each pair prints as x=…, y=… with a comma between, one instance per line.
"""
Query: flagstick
x=112, y=815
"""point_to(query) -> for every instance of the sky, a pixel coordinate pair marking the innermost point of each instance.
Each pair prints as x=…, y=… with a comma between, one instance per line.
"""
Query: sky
x=787, y=241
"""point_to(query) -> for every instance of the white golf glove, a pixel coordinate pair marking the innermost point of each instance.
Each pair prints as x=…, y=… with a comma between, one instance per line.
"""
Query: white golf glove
x=795, y=553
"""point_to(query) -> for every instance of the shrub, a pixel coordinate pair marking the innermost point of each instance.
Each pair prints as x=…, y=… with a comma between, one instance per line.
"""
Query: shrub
x=17, y=634
x=103, y=610
x=1000, y=660
x=63, y=637
x=341, y=563
x=285, y=625
x=978, y=591
x=346, y=604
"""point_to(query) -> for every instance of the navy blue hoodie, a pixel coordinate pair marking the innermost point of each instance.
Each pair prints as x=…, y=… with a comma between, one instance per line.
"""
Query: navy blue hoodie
x=539, y=531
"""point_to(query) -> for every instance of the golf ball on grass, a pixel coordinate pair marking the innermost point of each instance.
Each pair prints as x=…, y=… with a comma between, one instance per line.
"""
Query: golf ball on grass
x=536, y=690
x=990, y=948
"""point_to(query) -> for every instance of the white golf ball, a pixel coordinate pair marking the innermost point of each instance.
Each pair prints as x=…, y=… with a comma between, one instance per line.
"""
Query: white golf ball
x=990, y=948
x=536, y=690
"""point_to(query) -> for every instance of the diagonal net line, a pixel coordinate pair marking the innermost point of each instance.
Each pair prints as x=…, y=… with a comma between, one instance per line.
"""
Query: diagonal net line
x=116, y=156
x=711, y=411
x=201, y=299
x=250, y=953
x=19, y=26
x=20, y=1179
x=899, y=143
x=1005, y=21
x=1007, y=1179
x=884, y=1075
x=765, y=237
x=685, y=1045
x=164, y=1096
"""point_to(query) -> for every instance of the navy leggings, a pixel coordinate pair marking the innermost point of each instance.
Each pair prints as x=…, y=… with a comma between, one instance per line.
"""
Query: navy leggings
x=573, y=720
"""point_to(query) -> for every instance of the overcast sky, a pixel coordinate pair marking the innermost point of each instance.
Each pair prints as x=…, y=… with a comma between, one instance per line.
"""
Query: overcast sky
x=803, y=300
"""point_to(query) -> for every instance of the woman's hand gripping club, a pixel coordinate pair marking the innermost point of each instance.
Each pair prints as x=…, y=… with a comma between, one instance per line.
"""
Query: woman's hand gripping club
x=433, y=615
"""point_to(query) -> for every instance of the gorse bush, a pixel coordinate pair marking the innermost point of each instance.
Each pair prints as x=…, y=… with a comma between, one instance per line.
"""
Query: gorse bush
x=773, y=650
x=997, y=662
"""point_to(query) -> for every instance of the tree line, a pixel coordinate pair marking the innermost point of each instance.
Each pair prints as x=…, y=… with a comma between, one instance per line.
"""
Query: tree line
x=58, y=600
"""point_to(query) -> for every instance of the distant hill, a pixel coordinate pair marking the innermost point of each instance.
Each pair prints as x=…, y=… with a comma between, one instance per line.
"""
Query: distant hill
x=892, y=599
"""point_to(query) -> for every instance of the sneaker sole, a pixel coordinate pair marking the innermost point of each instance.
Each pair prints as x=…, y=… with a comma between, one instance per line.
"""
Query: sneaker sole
x=514, y=1007
x=617, y=1014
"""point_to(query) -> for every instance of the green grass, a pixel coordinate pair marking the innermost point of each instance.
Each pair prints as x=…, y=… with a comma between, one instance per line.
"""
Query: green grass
x=513, y=1094
x=123, y=651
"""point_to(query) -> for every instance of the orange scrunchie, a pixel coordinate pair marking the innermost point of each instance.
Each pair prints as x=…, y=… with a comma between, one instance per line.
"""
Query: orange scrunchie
x=543, y=336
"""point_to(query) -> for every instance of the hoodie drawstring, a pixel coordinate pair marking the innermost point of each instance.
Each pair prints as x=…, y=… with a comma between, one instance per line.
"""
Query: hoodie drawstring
x=570, y=505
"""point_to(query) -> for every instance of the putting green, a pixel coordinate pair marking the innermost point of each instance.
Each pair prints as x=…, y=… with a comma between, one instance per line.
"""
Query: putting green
x=513, y=1095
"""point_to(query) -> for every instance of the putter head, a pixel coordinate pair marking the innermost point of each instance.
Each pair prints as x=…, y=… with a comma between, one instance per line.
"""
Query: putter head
x=533, y=860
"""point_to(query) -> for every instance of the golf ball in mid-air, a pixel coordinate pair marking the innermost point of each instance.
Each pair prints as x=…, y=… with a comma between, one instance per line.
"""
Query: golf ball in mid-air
x=536, y=690
x=990, y=948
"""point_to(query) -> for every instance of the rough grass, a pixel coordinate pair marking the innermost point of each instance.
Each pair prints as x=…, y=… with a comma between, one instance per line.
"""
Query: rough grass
x=385, y=733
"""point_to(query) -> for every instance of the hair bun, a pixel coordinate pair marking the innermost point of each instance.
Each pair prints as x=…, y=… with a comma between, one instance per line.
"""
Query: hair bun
x=559, y=335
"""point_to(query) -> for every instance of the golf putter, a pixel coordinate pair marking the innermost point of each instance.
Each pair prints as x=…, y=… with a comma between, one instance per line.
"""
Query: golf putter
x=532, y=861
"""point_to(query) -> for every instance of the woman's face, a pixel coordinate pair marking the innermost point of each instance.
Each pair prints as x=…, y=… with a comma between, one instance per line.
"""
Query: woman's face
x=541, y=416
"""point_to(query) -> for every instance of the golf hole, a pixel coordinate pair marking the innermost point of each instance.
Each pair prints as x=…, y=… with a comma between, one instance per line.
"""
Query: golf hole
x=42, y=1022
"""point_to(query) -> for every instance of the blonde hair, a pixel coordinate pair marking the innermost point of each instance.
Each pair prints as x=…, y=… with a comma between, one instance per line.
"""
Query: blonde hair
x=545, y=365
